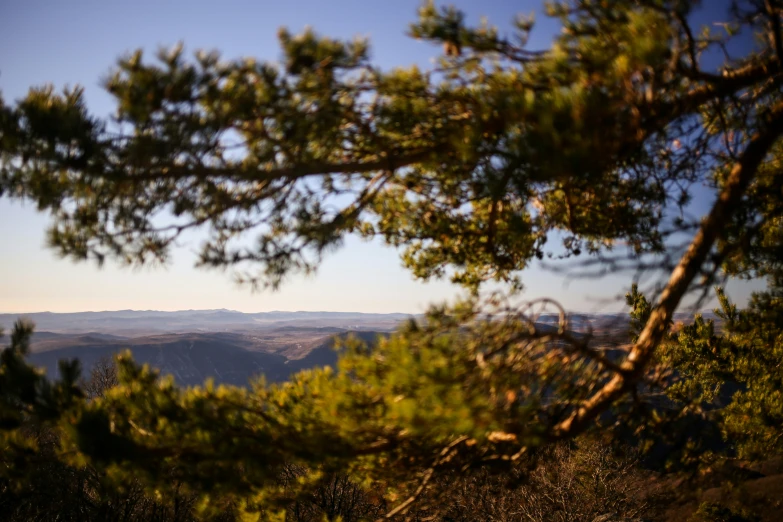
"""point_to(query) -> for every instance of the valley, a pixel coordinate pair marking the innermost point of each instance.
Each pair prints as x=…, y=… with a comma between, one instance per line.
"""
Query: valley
x=231, y=347
x=193, y=346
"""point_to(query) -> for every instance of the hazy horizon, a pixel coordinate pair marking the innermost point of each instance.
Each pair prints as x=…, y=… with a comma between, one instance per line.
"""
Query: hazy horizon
x=2, y=312
x=314, y=311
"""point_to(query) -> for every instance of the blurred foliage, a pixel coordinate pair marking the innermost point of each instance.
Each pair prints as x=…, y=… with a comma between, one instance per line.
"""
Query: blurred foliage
x=732, y=370
x=598, y=142
x=712, y=512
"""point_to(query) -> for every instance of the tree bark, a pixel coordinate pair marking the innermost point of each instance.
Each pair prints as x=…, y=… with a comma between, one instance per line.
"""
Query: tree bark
x=633, y=368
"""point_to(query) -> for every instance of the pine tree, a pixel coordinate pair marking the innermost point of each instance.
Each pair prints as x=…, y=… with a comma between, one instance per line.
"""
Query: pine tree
x=473, y=169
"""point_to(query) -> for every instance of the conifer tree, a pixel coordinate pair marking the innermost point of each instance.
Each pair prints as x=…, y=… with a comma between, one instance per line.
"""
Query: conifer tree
x=473, y=169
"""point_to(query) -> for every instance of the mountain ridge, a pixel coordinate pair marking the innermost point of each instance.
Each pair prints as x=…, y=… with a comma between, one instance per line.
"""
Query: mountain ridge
x=129, y=323
x=192, y=358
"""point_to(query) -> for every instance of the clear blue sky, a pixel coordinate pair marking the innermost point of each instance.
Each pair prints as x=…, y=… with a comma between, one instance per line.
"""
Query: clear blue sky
x=77, y=42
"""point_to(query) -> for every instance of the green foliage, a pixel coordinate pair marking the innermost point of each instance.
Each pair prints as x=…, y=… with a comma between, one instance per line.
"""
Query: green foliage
x=444, y=165
x=44, y=487
x=734, y=370
x=472, y=169
x=712, y=512
x=27, y=396
x=397, y=408
x=25, y=391
x=640, y=311
x=722, y=375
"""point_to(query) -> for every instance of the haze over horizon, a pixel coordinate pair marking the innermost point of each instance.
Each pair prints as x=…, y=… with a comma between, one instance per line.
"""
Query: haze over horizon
x=195, y=310
x=42, y=42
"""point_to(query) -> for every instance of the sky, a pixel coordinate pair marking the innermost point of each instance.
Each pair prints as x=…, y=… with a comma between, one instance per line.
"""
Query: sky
x=78, y=41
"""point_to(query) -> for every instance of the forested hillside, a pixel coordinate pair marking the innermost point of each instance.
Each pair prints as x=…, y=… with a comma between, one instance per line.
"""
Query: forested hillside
x=642, y=143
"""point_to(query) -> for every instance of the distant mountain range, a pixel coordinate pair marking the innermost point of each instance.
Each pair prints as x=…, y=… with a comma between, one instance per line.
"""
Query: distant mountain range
x=194, y=345
x=137, y=322
x=133, y=323
x=192, y=358
x=227, y=346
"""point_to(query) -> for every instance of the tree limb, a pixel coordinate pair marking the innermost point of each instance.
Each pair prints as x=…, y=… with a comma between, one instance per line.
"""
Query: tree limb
x=391, y=162
x=688, y=267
